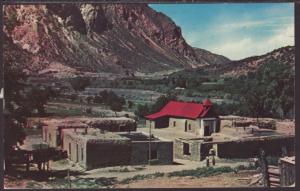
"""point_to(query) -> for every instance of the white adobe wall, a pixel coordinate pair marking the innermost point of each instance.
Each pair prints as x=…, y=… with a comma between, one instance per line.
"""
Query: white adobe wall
x=149, y=122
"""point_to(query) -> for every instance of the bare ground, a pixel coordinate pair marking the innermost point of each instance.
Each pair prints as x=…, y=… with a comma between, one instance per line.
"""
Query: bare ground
x=241, y=179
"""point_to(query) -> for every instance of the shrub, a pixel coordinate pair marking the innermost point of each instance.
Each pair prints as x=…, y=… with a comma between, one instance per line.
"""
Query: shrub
x=202, y=172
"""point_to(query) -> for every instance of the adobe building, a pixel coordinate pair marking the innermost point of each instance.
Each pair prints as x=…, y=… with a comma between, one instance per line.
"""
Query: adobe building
x=199, y=119
x=197, y=149
x=91, y=148
x=52, y=130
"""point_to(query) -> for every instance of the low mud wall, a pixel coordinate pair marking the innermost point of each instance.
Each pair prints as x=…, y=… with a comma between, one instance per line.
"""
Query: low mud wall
x=108, y=153
x=248, y=148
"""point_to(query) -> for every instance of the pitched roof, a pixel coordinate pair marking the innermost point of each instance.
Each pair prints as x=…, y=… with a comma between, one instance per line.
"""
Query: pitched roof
x=183, y=109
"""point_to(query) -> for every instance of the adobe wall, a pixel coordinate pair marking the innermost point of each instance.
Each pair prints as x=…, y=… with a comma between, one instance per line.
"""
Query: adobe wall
x=114, y=124
x=140, y=152
x=194, y=149
x=148, y=122
x=78, y=149
x=108, y=153
x=179, y=122
x=250, y=148
x=50, y=136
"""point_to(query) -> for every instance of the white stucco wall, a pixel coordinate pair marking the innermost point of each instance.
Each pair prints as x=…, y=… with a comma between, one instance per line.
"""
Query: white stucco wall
x=75, y=154
x=179, y=122
x=149, y=122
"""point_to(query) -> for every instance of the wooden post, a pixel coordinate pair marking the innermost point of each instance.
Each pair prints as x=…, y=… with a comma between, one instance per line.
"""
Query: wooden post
x=264, y=168
x=149, y=161
x=69, y=178
x=27, y=165
x=281, y=177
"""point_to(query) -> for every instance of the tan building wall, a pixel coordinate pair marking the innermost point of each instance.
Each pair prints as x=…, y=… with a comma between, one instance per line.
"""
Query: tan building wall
x=76, y=149
x=187, y=125
x=50, y=136
x=196, y=126
x=192, y=125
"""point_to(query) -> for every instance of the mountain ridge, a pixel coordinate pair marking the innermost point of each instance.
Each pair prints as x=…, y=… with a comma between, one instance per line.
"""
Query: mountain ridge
x=113, y=38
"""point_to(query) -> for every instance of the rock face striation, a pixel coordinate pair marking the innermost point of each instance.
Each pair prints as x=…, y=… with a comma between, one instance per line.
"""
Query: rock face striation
x=116, y=38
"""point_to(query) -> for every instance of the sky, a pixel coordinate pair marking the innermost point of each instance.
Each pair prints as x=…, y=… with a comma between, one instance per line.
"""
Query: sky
x=233, y=30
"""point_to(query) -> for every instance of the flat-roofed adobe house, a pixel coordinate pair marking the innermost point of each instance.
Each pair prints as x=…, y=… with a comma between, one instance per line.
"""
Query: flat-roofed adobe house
x=200, y=119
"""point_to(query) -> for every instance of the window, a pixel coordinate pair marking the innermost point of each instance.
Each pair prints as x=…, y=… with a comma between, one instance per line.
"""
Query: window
x=81, y=154
x=174, y=123
x=186, y=149
x=190, y=127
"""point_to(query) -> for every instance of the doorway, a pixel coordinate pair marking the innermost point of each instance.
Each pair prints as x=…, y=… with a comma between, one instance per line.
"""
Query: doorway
x=206, y=131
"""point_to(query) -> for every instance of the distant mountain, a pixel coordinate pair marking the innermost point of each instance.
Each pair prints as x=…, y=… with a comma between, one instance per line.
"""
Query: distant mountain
x=117, y=38
x=284, y=55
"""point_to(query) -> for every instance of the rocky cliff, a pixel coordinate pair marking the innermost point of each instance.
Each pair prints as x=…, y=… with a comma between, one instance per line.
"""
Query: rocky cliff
x=117, y=38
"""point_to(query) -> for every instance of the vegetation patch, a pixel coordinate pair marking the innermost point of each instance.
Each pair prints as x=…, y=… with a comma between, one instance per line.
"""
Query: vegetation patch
x=141, y=177
x=202, y=172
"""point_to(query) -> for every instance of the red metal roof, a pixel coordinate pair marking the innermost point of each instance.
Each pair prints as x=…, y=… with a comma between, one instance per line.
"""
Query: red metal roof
x=182, y=109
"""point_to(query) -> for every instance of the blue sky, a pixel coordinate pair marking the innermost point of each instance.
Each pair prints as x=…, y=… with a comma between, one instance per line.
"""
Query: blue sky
x=234, y=30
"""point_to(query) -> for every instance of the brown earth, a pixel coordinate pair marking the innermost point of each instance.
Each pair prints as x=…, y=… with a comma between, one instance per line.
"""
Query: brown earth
x=241, y=179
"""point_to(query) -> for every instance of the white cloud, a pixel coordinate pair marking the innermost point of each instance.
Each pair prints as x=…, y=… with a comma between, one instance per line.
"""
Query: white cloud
x=245, y=47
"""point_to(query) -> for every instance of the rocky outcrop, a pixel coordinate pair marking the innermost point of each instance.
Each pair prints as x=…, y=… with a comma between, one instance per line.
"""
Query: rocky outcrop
x=118, y=38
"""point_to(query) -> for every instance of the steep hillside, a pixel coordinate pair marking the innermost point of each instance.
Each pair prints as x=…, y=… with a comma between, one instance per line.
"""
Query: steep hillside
x=284, y=55
x=118, y=38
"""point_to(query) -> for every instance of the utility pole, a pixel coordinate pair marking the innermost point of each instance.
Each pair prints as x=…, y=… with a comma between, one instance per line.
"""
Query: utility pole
x=69, y=179
x=149, y=161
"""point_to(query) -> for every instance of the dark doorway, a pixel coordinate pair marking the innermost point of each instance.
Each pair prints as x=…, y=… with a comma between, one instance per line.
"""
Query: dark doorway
x=186, y=149
x=206, y=131
x=153, y=154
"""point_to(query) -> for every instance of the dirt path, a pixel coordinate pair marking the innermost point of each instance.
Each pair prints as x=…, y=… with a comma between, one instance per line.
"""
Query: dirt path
x=122, y=172
x=241, y=179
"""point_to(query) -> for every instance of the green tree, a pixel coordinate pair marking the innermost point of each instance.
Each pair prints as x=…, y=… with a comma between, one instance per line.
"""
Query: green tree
x=162, y=101
x=80, y=83
x=142, y=110
x=270, y=90
x=38, y=97
x=130, y=104
x=15, y=111
x=116, y=106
